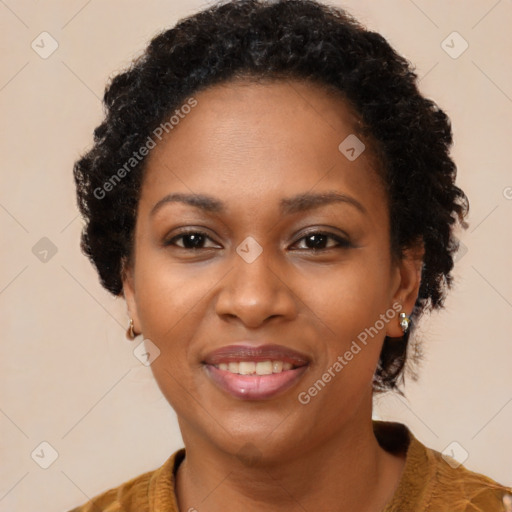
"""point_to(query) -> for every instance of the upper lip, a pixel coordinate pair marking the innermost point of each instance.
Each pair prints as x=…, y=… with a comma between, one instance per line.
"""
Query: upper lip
x=246, y=352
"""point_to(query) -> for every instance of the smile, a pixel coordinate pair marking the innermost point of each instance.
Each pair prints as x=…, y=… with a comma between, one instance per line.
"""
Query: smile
x=255, y=372
x=253, y=367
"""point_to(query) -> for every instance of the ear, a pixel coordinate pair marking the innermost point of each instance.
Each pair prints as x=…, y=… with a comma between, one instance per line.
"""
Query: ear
x=406, y=286
x=128, y=279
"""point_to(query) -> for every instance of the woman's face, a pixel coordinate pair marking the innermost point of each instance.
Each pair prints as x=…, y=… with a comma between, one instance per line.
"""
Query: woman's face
x=248, y=272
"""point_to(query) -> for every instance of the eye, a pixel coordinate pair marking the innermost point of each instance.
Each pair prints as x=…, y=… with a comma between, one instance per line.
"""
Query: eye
x=191, y=240
x=317, y=240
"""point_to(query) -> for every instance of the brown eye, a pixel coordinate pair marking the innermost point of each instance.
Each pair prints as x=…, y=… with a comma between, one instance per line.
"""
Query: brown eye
x=317, y=241
x=192, y=240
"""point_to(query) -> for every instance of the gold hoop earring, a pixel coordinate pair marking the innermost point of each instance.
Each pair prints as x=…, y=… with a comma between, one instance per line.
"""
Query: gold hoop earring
x=130, y=333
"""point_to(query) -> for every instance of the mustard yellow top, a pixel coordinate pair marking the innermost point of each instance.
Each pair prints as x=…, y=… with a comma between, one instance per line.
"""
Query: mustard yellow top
x=429, y=483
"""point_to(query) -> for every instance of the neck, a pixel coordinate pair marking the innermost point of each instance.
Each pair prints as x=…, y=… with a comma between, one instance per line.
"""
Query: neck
x=348, y=472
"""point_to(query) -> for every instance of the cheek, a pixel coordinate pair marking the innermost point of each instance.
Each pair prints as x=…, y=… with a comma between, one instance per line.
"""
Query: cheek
x=352, y=297
x=171, y=305
x=350, y=303
x=169, y=296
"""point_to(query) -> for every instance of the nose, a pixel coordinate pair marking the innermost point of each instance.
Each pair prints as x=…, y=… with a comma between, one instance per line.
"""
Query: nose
x=254, y=292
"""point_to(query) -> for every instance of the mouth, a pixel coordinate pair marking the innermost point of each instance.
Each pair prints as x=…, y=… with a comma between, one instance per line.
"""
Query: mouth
x=255, y=373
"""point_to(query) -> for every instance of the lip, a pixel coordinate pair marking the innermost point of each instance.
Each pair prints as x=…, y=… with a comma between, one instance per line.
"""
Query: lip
x=245, y=352
x=255, y=387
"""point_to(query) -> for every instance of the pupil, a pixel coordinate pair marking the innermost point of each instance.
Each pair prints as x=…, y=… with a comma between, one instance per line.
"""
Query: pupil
x=318, y=241
x=196, y=241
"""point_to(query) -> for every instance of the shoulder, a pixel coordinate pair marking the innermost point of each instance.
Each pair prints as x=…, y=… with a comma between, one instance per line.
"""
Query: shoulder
x=143, y=493
x=131, y=495
x=433, y=482
x=461, y=489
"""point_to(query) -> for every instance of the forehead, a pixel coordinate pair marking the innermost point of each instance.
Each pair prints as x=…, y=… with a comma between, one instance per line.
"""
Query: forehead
x=258, y=139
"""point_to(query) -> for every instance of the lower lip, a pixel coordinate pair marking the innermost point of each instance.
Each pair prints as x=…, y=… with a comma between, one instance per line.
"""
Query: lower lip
x=254, y=387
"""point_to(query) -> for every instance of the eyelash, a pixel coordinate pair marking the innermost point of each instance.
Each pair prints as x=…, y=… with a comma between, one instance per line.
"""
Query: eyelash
x=343, y=243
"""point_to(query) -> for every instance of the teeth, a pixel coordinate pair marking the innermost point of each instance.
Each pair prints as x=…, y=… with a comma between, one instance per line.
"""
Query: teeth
x=277, y=366
x=251, y=367
x=246, y=367
x=264, y=367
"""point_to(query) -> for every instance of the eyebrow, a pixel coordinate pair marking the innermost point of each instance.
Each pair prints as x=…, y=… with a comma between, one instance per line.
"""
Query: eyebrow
x=298, y=203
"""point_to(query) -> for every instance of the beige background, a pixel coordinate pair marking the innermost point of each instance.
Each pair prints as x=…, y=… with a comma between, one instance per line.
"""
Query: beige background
x=68, y=374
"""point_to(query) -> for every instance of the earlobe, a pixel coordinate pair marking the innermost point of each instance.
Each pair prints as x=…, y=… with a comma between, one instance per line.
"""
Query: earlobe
x=129, y=296
x=406, y=293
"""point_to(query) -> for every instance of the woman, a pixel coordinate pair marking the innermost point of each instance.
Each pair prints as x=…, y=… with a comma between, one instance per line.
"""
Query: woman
x=276, y=202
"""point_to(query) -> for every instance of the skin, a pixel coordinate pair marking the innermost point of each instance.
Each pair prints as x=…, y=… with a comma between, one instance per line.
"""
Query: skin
x=250, y=145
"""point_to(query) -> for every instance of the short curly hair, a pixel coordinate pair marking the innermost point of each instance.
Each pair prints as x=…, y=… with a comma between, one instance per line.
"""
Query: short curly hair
x=280, y=40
